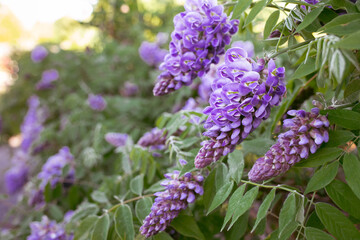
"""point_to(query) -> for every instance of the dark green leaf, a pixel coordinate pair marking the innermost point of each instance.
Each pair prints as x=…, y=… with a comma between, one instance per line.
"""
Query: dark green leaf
x=221, y=195
x=350, y=41
x=84, y=210
x=240, y=7
x=124, y=222
x=245, y=203
x=187, y=226
x=322, y=177
x=335, y=222
x=343, y=4
x=143, y=208
x=55, y=212
x=323, y=155
x=351, y=167
x=344, y=118
x=264, y=207
x=137, y=184
x=255, y=11
x=239, y=228
x=353, y=88
x=258, y=146
x=343, y=29
x=288, y=230
x=342, y=195
x=162, y=236
x=309, y=18
x=236, y=165
x=85, y=228
x=271, y=23
x=101, y=228
x=234, y=201
x=99, y=197
x=316, y=234
x=339, y=137
x=287, y=213
x=304, y=69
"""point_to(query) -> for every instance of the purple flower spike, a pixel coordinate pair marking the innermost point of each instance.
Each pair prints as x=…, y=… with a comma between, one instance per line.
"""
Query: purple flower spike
x=47, y=79
x=293, y=145
x=48, y=230
x=242, y=97
x=38, y=54
x=116, y=139
x=16, y=177
x=96, y=102
x=151, y=53
x=179, y=192
x=199, y=38
x=154, y=140
x=51, y=171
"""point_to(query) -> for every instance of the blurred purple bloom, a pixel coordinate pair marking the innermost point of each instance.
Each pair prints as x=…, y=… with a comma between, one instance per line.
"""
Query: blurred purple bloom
x=151, y=53
x=246, y=45
x=16, y=177
x=130, y=89
x=307, y=131
x=47, y=79
x=179, y=192
x=199, y=38
x=36, y=198
x=204, y=89
x=38, y=54
x=242, y=97
x=51, y=171
x=154, y=140
x=48, y=230
x=116, y=139
x=96, y=102
x=162, y=38
x=182, y=162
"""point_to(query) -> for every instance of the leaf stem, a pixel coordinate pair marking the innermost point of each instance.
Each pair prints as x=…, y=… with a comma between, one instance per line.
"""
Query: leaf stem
x=276, y=187
x=113, y=208
x=289, y=48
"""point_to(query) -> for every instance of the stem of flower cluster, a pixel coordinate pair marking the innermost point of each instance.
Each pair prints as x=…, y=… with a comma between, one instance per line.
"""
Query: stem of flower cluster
x=289, y=48
x=276, y=187
x=113, y=208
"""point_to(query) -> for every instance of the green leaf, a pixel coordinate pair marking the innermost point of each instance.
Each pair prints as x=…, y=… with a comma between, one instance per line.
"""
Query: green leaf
x=83, y=231
x=240, y=7
x=304, y=69
x=162, y=236
x=236, y=165
x=322, y=177
x=341, y=20
x=221, y=196
x=335, y=222
x=99, y=197
x=85, y=209
x=316, y=234
x=337, y=65
x=264, y=207
x=287, y=213
x=48, y=192
x=143, y=208
x=353, y=88
x=309, y=18
x=257, y=146
x=55, y=212
x=288, y=230
x=350, y=41
x=323, y=155
x=344, y=29
x=187, y=226
x=342, y=195
x=344, y=118
x=343, y=4
x=351, y=167
x=137, y=184
x=101, y=228
x=271, y=23
x=245, y=203
x=124, y=222
x=234, y=201
x=255, y=11
x=339, y=137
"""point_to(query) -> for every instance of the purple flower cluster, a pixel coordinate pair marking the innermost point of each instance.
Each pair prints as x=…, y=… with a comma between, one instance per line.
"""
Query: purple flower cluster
x=96, y=102
x=151, y=53
x=246, y=45
x=307, y=131
x=242, y=98
x=17, y=176
x=47, y=79
x=130, y=89
x=154, y=140
x=116, y=139
x=179, y=192
x=52, y=170
x=48, y=230
x=38, y=54
x=199, y=37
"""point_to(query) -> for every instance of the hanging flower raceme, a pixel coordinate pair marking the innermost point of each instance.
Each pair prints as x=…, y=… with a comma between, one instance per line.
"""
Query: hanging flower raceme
x=179, y=192
x=242, y=97
x=200, y=35
x=48, y=230
x=96, y=102
x=38, y=54
x=47, y=79
x=154, y=140
x=52, y=170
x=151, y=53
x=116, y=139
x=307, y=131
x=16, y=177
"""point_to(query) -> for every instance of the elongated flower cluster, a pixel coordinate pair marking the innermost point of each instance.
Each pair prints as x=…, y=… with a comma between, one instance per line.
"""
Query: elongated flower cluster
x=242, y=98
x=154, y=140
x=116, y=139
x=151, y=53
x=179, y=192
x=97, y=102
x=200, y=35
x=17, y=176
x=52, y=170
x=48, y=230
x=307, y=131
x=47, y=79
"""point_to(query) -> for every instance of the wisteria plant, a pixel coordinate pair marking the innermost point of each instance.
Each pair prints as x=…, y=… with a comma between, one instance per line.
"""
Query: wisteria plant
x=247, y=126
